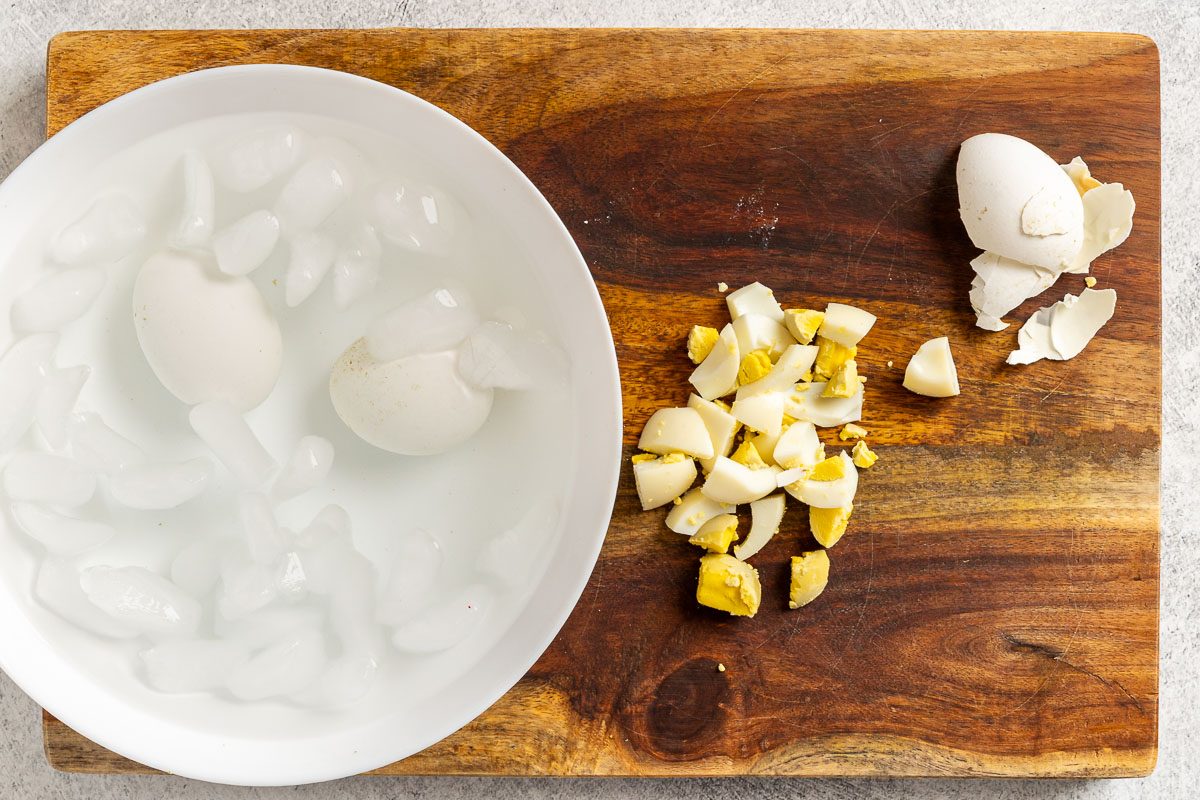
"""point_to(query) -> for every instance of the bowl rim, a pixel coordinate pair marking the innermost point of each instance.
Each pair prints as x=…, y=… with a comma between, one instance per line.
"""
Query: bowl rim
x=39, y=669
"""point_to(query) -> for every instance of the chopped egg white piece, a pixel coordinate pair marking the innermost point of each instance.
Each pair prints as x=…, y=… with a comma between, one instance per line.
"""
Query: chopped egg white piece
x=717, y=374
x=754, y=299
x=765, y=517
x=799, y=446
x=1107, y=221
x=796, y=360
x=790, y=476
x=676, y=430
x=931, y=370
x=663, y=479
x=721, y=426
x=731, y=482
x=845, y=324
x=1001, y=285
x=1063, y=330
x=758, y=332
x=805, y=403
x=837, y=493
x=761, y=412
x=693, y=511
x=1015, y=200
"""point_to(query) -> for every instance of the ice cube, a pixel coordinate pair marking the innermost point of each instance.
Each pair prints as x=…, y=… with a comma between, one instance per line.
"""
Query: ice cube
x=283, y=668
x=415, y=216
x=414, y=573
x=312, y=194
x=107, y=232
x=144, y=601
x=56, y=402
x=196, y=221
x=267, y=625
x=246, y=586
x=291, y=577
x=156, y=487
x=264, y=540
x=512, y=555
x=255, y=159
x=495, y=356
x=59, y=298
x=60, y=535
x=97, y=446
x=197, y=567
x=48, y=479
x=57, y=588
x=347, y=679
x=312, y=254
x=246, y=244
x=220, y=426
x=333, y=564
x=356, y=267
x=332, y=523
x=306, y=469
x=428, y=324
x=446, y=625
x=352, y=610
x=23, y=370
x=192, y=665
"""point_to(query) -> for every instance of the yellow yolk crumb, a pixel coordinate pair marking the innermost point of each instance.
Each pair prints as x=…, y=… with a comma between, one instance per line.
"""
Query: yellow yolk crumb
x=720, y=667
x=700, y=342
x=844, y=382
x=802, y=323
x=830, y=469
x=748, y=454
x=810, y=575
x=862, y=455
x=673, y=458
x=729, y=585
x=828, y=524
x=722, y=287
x=717, y=534
x=1090, y=281
x=852, y=431
x=642, y=458
x=754, y=366
x=830, y=356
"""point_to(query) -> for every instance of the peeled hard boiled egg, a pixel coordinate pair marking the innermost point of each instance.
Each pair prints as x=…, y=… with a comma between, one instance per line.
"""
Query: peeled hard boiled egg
x=414, y=406
x=207, y=336
x=1016, y=201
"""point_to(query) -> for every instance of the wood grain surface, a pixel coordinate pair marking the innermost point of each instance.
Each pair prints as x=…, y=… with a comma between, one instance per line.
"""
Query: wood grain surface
x=994, y=608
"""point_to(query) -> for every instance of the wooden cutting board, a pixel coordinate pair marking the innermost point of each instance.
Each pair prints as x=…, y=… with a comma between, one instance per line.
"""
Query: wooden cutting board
x=994, y=608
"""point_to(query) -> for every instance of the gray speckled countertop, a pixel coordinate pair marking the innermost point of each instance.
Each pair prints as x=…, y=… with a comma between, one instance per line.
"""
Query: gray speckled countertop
x=27, y=25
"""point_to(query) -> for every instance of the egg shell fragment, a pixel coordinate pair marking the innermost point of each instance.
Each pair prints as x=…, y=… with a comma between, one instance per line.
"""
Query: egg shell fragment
x=766, y=515
x=662, y=480
x=1016, y=201
x=1108, y=221
x=731, y=482
x=693, y=511
x=931, y=371
x=676, y=430
x=1001, y=284
x=1063, y=330
x=717, y=374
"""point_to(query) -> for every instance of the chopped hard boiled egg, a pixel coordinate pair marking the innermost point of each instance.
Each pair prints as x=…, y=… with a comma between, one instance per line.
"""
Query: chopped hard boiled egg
x=754, y=299
x=931, y=370
x=758, y=332
x=748, y=455
x=799, y=447
x=829, y=484
x=731, y=482
x=754, y=365
x=1064, y=329
x=721, y=427
x=852, y=431
x=845, y=324
x=661, y=480
x=717, y=374
x=787, y=372
x=862, y=456
x=765, y=517
x=676, y=430
x=844, y=382
x=810, y=576
x=693, y=511
x=729, y=585
x=830, y=357
x=717, y=534
x=700, y=342
x=807, y=402
x=829, y=524
x=761, y=412
x=802, y=323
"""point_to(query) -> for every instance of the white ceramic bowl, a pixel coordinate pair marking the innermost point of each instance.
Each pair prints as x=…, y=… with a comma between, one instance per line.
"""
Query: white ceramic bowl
x=71, y=687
